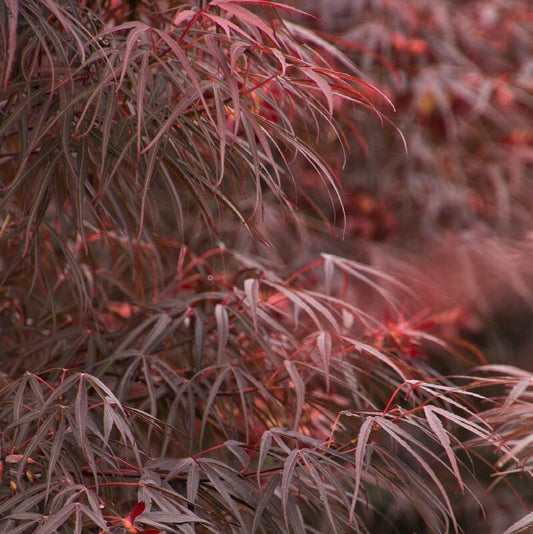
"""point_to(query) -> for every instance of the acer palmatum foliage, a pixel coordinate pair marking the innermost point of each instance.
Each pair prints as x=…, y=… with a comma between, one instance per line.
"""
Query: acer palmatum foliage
x=167, y=365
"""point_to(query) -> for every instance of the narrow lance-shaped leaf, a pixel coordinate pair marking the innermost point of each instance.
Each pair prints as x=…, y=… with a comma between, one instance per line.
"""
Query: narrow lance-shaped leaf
x=12, y=17
x=81, y=409
x=156, y=334
x=264, y=500
x=289, y=467
x=199, y=340
x=214, y=390
x=193, y=482
x=246, y=17
x=221, y=316
x=323, y=342
x=441, y=434
x=520, y=525
x=398, y=435
x=56, y=450
x=264, y=448
x=299, y=388
x=52, y=523
x=322, y=84
x=360, y=452
x=251, y=288
x=319, y=484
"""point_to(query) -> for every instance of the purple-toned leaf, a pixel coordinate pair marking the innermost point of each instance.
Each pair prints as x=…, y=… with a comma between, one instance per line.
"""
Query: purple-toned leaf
x=442, y=435
x=299, y=388
x=289, y=467
x=12, y=17
x=53, y=522
x=520, y=525
x=246, y=17
x=265, y=499
x=323, y=342
x=251, y=288
x=264, y=448
x=360, y=452
x=319, y=484
x=400, y=437
x=221, y=316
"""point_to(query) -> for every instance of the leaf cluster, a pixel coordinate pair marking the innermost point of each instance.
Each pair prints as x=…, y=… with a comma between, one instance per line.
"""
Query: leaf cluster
x=163, y=370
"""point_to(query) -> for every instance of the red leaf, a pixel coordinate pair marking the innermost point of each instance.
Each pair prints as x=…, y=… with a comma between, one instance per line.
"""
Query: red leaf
x=128, y=521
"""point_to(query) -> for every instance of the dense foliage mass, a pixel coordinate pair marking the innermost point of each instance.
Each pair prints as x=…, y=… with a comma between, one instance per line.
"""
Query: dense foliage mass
x=201, y=205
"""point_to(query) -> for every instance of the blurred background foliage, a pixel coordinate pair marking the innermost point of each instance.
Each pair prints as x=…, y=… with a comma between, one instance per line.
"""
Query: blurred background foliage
x=456, y=208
